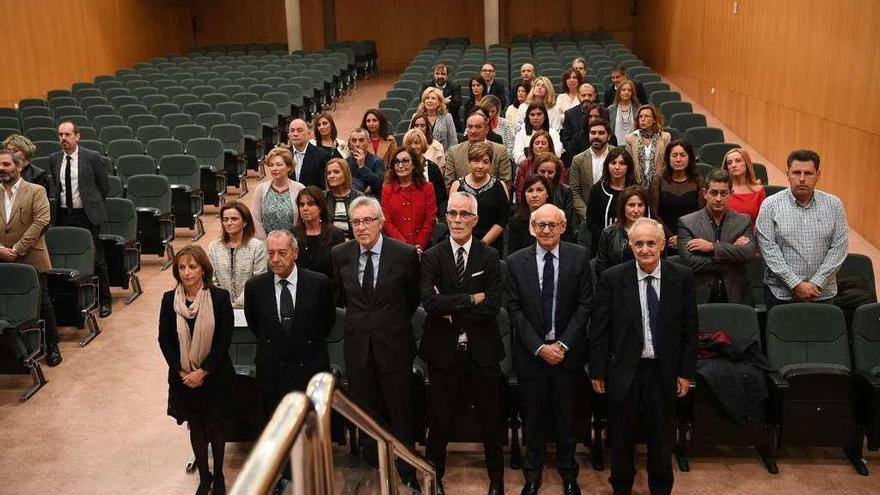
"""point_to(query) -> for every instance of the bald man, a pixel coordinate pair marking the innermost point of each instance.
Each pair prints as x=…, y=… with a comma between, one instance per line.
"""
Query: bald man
x=309, y=161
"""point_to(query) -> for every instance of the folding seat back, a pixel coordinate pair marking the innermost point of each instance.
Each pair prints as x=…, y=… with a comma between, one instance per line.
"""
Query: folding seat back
x=122, y=147
x=114, y=92
x=162, y=109
x=810, y=334
x=20, y=325
x=670, y=108
x=63, y=101
x=102, y=121
x=141, y=120
x=698, y=136
x=32, y=102
x=208, y=152
x=685, y=121
x=231, y=135
x=185, y=98
x=172, y=120
x=713, y=153
x=41, y=134
x=151, y=100
x=122, y=100
x=157, y=148
x=267, y=111
x=147, y=133
x=150, y=191
x=31, y=112
x=657, y=98
x=96, y=110
x=186, y=132
x=67, y=111
x=91, y=101
x=113, y=132
x=93, y=145
x=214, y=99
x=251, y=124
x=128, y=166
x=46, y=148
x=866, y=339
x=115, y=188
x=72, y=282
x=197, y=108
x=210, y=119
x=228, y=108
x=246, y=98
x=128, y=110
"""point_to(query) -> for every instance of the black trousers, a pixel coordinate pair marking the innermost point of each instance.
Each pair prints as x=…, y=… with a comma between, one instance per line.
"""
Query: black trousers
x=47, y=311
x=547, y=399
x=448, y=394
x=387, y=395
x=645, y=400
x=77, y=218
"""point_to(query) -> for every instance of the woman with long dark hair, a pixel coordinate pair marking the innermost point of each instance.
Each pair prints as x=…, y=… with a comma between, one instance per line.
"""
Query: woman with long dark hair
x=238, y=255
x=315, y=232
x=408, y=200
x=614, y=247
x=677, y=190
x=618, y=173
x=535, y=193
x=382, y=143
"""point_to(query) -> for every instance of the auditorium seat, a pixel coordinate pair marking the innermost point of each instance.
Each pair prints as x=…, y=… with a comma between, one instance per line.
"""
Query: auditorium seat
x=187, y=204
x=148, y=133
x=698, y=136
x=112, y=133
x=115, y=189
x=128, y=166
x=866, y=347
x=151, y=195
x=685, y=121
x=713, y=153
x=232, y=137
x=73, y=285
x=121, y=249
x=157, y=148
x=23, y=332
x=210, y=156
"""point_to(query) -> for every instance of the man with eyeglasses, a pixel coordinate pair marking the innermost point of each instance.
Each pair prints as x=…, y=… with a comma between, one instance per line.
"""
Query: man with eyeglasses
x=379, y=280
x=494, y=86
x=549, y=288
x=718, y=244
x=461, y=288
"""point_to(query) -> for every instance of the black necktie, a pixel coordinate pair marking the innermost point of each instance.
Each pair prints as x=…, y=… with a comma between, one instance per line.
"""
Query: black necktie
x=460, y=265
x=367, y=281
x=653, y=312
x=286, y=306
x=547, y=293
x=68, y=186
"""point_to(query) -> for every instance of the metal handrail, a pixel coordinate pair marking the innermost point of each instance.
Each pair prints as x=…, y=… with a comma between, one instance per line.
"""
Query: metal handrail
x=301, y=426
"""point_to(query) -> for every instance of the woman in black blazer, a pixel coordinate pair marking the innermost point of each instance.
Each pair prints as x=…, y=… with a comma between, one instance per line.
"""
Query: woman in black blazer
x=195, y=331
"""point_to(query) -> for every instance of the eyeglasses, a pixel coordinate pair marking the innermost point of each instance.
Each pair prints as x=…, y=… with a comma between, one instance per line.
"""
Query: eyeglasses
x=464, y=215
x=366, y=222
x=541, y=226
x=401, y=163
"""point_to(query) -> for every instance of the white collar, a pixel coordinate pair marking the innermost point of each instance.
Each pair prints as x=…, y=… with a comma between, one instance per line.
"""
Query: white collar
x=467, y=245
x=376, y=249
x=291, y=279
x=641, y=274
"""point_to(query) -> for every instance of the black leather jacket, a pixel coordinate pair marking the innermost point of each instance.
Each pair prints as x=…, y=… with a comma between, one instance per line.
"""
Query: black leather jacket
x=613, y=248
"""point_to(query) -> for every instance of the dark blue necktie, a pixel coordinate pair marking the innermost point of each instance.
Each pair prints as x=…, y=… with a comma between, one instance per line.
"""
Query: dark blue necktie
x=653, y=312
x=547, y=293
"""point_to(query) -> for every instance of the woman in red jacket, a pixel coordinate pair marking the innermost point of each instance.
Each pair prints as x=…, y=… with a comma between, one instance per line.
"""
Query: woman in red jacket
x=408, y=201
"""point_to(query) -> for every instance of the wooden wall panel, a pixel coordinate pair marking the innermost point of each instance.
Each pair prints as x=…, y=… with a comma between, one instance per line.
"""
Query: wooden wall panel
x=572, y=16
x=58, y=42
x=783, y=75
x=233, y=21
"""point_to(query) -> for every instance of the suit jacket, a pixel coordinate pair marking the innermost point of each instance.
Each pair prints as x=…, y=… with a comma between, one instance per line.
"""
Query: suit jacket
x=727, y=260
x=371, y=174
x=574, y=293
x=442, y=297
x=500, y=91
x=617, y=333
x=25, y=228
x=287, y=361
x=453, y=92
x=312, y=171
x=457, y=163
x=382, y=322
x=581, y=180
x=93, y=184
x=572, y=124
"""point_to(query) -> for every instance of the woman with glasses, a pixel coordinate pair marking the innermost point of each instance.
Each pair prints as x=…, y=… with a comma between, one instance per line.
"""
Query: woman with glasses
x=535, y=193
x=493, y=199
x=408, y=201
x=433, y=174
x=274, y=202
x=339, y=194
x=315, y=233
x=614, y=240
x=237, y=255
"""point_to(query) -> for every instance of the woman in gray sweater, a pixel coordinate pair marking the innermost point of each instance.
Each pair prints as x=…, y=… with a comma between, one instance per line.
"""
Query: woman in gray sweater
x=238, y=255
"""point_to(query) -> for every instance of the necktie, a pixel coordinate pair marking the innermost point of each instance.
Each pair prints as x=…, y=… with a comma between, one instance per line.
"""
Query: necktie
x=459, y=266
x=653, y=312
x=286, y=306
x=68, y=186
x=367, y=281
x=547, y=293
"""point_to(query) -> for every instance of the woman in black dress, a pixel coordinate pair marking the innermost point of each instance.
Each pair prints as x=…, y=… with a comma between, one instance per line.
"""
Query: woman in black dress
x=195, y=331
x=315, y=232
x=536, y=193
x=676, y=190
x=493, y=200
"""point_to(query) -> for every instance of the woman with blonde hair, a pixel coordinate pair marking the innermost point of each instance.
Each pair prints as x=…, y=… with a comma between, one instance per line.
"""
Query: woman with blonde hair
x=748, y=193
x=434, y=150
x=339, y=194
x=433, y=106
x=541, y=93
x=622, y=113
x=274, y=203
x=195, y=332
x=415, y=139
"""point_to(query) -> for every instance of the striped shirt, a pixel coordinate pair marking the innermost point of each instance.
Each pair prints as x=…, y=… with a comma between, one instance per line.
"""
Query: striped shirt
x=802, y=243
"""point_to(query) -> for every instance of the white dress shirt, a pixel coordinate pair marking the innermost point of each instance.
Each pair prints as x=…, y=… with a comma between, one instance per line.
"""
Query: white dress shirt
x=599, y=164
x=291, y=286
x=9, y=199
x=298, y=157
x=74, y=179
x=648, y=349
x=362, y=262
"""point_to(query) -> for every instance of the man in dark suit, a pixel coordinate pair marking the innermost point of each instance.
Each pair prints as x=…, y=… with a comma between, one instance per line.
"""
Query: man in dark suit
x=718, y=244
x=451, y=92
x=290, y=312
x=494, y=86
x=80, y=186
x=618, y=75
x=379, y=280
x=309, y=161
x=23, y=224
x=643, y=343
x=549, y=290
x=574, y=118
x=461, y=289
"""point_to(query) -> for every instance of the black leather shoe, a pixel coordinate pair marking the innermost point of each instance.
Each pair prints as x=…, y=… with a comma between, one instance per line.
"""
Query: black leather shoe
x=106, y=310
x=571, y=488
x=531, y=488
x=496, y=488
x=53, y=355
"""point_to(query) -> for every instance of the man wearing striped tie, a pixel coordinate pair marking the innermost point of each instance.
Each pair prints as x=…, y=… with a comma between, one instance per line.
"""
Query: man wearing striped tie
x=461, y=289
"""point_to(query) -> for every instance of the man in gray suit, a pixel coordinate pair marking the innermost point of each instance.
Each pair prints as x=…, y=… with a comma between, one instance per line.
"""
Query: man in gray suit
x=457, y=156
x=718, y=244
x=80, y=186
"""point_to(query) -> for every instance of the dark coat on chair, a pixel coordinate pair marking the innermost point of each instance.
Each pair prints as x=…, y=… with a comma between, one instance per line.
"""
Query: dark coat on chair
x=441, y=297
x=617, y=332
x=382, y=322
x=573, y=296
x=92, y=179
x=312, y=171
x=287, y=362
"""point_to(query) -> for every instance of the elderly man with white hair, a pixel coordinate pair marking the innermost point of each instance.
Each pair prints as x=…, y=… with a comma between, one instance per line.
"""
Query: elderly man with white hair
x=549, y=289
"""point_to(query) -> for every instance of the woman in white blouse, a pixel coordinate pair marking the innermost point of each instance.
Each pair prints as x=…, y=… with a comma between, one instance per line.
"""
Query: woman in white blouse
x=237, y=255
x=568, y=96
x=538, y=119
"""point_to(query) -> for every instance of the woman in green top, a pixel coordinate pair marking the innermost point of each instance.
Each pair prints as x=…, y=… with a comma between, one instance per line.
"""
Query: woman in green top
x=274, y=203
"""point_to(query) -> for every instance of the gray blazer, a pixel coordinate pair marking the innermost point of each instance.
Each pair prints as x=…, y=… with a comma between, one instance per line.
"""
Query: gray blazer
x=729, y=260
x=93, y=183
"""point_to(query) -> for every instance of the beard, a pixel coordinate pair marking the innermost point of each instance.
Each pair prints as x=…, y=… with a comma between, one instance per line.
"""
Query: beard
x=597, y=145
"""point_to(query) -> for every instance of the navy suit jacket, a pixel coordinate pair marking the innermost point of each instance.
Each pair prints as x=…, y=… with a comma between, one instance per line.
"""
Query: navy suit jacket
x=312, y=171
